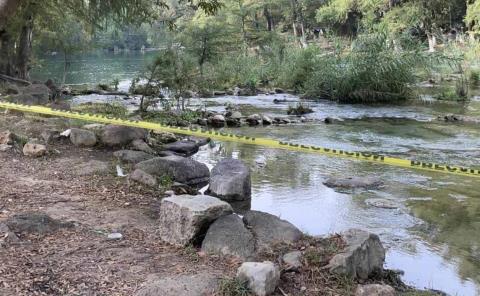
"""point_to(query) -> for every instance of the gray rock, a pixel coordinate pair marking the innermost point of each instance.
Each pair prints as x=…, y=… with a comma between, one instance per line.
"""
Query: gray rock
x=254, y=119
x=50, y=135
x=140, y=145
x=143, y=178
x=353, y=182
x=25, y=99
x=183, y=170
x=184, y=147
x=92, y=167
x=229, y=236
x=115, y=236
x=11, y=89
x=236, y=115
x=375, y=290
x=34, y=150
x=94, y=127
x=185, y=219
x=35, y=222
x=266, y=120
x=269, y=229
x=5, y=147
x=217, y=120
x=262, y=278
x=381, y=203
x=182, y=285
x=233, y=122
x=80, y=137
x=293, y=260
x=114, y=135
x=164, y=137
x=40, y=92
x=363, y=255
x=230, y=180
x=131, y=156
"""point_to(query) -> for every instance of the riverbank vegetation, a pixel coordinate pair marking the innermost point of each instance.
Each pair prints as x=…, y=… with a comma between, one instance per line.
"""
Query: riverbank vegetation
x=350, y=51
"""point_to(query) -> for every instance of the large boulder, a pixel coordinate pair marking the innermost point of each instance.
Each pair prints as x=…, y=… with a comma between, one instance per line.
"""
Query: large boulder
x=143, y=178
x=40, y=92
x=184, y=147
x=229, y=236
x=262, y=278
x=217, y=120
x=230, y=180
x=184, y=219
x=183, y=170
x=362, y=256
x=181, y=285
x=269, y=229
x=131, y=156
x=141, y=145
x=34, y=222
x=25, y=99
x=80, y=137
x=114, y=135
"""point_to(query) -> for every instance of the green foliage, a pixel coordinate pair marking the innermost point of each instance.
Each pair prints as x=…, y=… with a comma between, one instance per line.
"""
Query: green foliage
x=474, y=77
x=233, y=287
x=115, y=110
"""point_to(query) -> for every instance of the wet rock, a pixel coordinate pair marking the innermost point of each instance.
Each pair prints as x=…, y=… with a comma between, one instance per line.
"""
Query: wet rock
x=233, y=122
x=92, y=167
x=200, y=141
x=229, y=236
x=381, y=203
x=184, y=147
x=141, y=145
x=185, y=219
x=279, y=90
x=35, y=222
x=203, y=284
x=217, y=121
x=262, y=278
x=114, y=135
x=329, y=120
x=34, y=150
x=362, y=256
x=269, y=229
x=244, y=91
x=40, y=92
x=143, y=178
x=266, y=120
x=375, y=290
x=293, y=260
x=202, y=121
x=353, y=182
x=80, y=137
x=183, y=170
x=7, y=138
x=219, y=93
x=131, y=156
x=254, y=119
x=231, y=180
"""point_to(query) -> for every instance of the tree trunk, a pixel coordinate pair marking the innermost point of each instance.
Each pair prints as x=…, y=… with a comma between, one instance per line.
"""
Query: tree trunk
x=6, y=50
x=432, y=42
x=269, y=18
x=24, y=50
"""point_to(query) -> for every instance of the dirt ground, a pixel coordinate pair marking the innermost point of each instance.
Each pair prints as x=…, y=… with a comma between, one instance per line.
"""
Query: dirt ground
x=81, y=260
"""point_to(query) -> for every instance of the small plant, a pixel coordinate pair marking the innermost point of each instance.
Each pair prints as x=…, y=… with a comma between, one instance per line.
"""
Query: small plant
x=115, y=84
x=233, y=287
x=191, y=252
x=299, y=109
x=166, y=181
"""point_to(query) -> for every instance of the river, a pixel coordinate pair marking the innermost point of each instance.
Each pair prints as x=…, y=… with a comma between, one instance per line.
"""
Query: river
x=432, y=234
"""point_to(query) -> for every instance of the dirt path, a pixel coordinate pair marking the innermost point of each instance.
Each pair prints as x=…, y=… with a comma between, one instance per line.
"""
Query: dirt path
x=81, y=260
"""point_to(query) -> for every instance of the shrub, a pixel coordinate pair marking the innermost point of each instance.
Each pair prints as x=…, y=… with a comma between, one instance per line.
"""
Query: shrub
x=115, y=109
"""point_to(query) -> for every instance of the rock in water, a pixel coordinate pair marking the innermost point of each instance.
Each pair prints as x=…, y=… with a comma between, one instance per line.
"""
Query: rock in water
x=34, y=222
x=231, y=181
x=132, y=156
x=80, y=137
x=114, y=135
x=34, y=150
x=375, y=290
x=229, y=236
x=181, y=285
x=184, y=219
x=269, y=229
x=183, y=170
x=144, y=178
x=363, y=255
x=353, y=182
x=261, y=277
x=186, y=148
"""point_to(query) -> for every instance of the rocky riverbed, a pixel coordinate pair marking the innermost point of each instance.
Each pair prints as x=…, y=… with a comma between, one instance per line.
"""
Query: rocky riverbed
x=92, y=209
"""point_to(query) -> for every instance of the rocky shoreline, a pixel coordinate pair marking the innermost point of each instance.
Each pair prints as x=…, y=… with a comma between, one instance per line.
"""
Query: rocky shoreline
x=272, y=256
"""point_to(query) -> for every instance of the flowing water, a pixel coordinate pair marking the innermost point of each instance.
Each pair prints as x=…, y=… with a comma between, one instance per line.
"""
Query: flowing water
x=432, y=234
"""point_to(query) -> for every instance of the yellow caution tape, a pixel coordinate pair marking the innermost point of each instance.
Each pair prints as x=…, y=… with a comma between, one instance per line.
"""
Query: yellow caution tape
x=222, y=136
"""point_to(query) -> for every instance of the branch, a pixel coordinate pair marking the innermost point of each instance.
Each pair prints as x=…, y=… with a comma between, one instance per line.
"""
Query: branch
x=13, y=79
